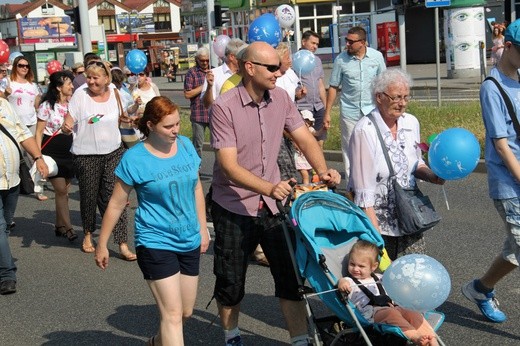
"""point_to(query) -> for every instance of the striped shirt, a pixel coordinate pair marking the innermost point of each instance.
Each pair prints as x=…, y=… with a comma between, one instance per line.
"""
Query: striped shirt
x=9, y=154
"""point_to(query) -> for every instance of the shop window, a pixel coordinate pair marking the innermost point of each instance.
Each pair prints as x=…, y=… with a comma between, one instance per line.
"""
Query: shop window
x=109, y=22
x=306, y=11
x=162, y=22
x=324, y=10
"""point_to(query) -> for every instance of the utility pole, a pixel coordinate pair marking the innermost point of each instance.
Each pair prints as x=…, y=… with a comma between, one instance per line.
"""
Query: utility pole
x=85, y=26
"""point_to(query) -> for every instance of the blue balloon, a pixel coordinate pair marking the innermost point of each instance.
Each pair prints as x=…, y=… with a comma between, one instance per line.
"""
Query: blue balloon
x=266, y=29
x=417, y=282
x=303, y=62
x=136, y=61
x=454, y=154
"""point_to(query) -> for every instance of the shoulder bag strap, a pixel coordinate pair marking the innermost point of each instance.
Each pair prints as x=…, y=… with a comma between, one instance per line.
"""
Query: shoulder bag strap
x=119, y=104
x=383, y=146
x=509, y=105
x=4, y=130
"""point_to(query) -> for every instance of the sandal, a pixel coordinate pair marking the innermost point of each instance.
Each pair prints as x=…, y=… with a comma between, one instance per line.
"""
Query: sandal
x=87, y=248
x=70, y=235
x=41, y=197
x=128, y=256
x=59, y=233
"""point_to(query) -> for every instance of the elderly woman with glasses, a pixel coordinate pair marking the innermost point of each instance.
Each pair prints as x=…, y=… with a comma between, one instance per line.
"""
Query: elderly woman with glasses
x=369, y=174
x=94, y=114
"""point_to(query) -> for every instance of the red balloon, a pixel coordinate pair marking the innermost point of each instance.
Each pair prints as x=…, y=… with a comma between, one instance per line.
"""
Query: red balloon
x=4, y=52
x=53, y=66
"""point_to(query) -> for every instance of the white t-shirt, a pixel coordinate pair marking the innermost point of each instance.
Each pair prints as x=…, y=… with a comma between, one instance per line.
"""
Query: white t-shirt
x=146, y=96
x=22, y=100
x=96, y=130
x=289, y=82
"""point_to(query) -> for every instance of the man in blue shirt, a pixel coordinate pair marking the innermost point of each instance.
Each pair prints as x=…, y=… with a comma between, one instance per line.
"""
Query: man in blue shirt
x=313, y=94
x=502, y=156
x=353, y=71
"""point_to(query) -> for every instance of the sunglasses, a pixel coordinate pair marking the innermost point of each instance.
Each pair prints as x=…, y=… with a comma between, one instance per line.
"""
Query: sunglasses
x=3, y=71
x=23, y=66
x=351, y=42
x=203, y=60
x=100, y=64
x=270, y=68
x=141, y=74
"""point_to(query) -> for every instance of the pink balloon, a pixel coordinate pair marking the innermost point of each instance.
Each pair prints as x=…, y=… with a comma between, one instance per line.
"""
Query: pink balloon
x=220, y=45
x=53, y=66
x=4, y=52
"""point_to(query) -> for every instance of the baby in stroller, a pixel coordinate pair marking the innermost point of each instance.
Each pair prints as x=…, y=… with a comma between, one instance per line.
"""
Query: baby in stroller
x=366, y=292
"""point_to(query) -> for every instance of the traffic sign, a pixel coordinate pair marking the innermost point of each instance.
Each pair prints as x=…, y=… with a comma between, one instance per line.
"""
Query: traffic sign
x=437, y=3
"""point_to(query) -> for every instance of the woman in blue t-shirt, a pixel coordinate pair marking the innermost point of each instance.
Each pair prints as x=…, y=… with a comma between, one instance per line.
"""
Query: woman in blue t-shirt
x=169, y=239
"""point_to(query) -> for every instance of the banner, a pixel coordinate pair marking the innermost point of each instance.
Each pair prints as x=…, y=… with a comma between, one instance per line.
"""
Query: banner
x=135, y=23
x=46, y=30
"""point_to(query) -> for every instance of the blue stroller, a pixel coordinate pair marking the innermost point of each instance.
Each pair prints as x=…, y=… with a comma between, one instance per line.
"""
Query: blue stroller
x=326, y=226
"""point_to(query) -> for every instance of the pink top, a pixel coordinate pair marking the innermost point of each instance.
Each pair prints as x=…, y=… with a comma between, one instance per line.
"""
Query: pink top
x=255, y=130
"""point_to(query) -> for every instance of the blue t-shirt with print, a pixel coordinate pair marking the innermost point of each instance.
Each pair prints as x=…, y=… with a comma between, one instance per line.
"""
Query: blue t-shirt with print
x=166, y=216
x=498, y=124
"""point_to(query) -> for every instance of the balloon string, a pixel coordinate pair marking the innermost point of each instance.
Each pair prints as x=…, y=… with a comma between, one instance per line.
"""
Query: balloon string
x=445, y=197
x=336, y=289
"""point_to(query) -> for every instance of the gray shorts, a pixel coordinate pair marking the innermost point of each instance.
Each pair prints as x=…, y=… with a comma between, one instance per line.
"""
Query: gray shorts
x=509, y=210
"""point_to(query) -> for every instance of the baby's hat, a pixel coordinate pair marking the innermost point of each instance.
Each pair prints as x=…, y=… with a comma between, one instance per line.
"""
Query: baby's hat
x=307, y=115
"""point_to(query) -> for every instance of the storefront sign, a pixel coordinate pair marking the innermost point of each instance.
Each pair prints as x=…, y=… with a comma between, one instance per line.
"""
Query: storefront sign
x=263, y=3
x=46, y=30
x=135, y=23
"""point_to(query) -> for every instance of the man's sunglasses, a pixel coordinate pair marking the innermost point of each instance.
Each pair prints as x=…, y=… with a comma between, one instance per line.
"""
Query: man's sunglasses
x=23, y=66
x=270, y=68
x=3, y=71
x=139, y=74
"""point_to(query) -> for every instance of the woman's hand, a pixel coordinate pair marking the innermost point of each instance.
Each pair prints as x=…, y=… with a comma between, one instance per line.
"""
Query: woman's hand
x=101, y=256
x=68, y=125
x=204, y=240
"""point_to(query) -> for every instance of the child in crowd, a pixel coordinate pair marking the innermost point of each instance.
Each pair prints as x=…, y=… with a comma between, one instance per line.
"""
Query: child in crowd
x=368, y=295
x=301, y=163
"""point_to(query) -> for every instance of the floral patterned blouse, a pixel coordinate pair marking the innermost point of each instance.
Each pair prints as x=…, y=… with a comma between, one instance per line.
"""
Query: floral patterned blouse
x=53, y=117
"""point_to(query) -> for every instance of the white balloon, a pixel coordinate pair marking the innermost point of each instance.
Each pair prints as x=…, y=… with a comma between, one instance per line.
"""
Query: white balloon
x=285, y=15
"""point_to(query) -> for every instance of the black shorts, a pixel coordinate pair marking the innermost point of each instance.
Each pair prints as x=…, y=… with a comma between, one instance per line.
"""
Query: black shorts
x=236, y=237
x=159, y=264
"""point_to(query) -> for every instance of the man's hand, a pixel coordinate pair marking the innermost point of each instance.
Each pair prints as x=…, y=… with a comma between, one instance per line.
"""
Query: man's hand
x=331, y=177
x=282, y=189
x=210, y=78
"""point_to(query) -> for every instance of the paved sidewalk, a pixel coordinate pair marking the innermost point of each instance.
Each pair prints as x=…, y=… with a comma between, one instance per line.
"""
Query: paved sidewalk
x=424, y=77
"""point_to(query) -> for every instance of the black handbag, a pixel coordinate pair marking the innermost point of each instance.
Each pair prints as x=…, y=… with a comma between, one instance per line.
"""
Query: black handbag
x=26, y=182
x=415, y=211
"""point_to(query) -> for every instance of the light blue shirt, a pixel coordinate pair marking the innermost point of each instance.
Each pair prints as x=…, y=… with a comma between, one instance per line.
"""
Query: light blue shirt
x=311, y=81
x=355, y=77
x=166, y=216
x=502, y=184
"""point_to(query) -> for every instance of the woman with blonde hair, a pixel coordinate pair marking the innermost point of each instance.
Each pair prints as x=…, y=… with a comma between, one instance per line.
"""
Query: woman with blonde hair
x=94, y=116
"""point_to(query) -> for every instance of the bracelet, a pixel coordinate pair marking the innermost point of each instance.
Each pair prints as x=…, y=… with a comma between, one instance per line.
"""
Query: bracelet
x=37, y=158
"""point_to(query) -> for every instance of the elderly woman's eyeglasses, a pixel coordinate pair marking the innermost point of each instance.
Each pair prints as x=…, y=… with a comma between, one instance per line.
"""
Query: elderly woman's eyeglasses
x=398, y=98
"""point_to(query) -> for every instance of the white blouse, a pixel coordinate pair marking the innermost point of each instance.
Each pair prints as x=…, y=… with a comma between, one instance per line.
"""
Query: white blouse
x=96, y=130
x=369, y=174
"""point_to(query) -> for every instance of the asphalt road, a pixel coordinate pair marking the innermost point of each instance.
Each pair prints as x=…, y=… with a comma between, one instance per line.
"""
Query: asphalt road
x=64, y=299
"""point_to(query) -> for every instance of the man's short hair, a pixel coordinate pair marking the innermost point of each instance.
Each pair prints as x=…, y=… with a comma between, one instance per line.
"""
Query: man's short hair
x=309, y=33
x=359, y=31
x=234, y=46
x=88, y=57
